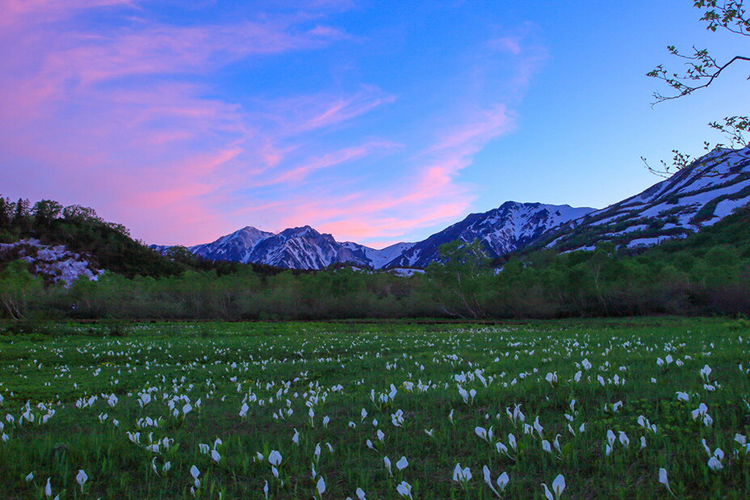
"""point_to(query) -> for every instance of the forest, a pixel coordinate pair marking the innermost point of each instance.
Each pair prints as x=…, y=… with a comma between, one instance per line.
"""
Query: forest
x=707, y=273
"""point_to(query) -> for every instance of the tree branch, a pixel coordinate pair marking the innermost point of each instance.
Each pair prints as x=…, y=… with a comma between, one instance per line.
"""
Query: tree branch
x=696, y=72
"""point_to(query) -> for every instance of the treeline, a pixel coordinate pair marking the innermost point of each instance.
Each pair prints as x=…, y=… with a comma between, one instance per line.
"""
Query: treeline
x=83, y=231
x=704, y=274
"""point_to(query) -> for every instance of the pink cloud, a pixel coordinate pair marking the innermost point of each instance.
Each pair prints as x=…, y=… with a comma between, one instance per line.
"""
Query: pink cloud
x=122, y=119
x=155, y=157
x=22, y=12
x=314, y=111
x=300, y=173
x=423, y=199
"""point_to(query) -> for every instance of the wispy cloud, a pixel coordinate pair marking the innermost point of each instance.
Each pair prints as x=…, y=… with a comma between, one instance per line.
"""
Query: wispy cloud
x=427, y=197
x=134, y=118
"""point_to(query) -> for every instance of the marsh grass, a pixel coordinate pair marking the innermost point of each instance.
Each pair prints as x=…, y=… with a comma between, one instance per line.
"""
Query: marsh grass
x=334, y=368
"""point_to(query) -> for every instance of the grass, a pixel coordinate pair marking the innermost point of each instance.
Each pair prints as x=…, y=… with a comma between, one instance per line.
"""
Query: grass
x=285, y=372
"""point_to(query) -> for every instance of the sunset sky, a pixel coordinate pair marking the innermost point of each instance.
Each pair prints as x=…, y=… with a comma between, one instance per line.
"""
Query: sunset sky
x=376, y=121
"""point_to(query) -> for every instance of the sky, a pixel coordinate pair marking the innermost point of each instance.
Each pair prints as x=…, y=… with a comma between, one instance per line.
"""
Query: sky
x=375, y=121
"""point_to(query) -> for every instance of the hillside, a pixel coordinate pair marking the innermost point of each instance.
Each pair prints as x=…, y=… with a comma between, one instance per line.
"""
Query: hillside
x=694, y=198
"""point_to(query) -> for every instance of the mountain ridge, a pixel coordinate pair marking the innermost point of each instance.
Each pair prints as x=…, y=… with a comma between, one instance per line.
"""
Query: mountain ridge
x=501, y=230
x=701, y=194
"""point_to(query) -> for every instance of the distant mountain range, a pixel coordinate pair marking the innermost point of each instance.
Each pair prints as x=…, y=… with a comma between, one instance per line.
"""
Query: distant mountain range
x=696, y=196
x=502, y=230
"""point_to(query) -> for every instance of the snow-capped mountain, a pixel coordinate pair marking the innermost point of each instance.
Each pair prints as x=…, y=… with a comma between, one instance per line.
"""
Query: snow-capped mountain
x=696, y=196
x=305, y=248
x=235, y=247
x=501, y=231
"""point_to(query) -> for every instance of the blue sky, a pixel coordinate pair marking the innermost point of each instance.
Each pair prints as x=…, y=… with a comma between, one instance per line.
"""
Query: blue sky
x=375, y=121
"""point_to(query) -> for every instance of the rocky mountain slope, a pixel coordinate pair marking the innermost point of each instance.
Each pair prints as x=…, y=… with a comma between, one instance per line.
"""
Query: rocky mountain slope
x=53, y=263
x=236, y=247
x=502, y=230
x=694, y=197
x=697, y=196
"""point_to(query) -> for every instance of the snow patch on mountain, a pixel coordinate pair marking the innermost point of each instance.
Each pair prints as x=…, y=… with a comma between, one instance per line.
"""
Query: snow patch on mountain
x=52, y=263
x=501, y=231
x=237, y=246
x=699, y=195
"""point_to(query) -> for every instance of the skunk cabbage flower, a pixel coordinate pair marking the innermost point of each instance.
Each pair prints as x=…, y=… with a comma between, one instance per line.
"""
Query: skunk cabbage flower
x=321, y=487
x=404, y=489
x=81, y=478
x=558, y=486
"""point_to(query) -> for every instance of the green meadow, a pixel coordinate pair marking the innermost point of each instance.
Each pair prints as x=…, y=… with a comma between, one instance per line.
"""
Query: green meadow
x=377, y=411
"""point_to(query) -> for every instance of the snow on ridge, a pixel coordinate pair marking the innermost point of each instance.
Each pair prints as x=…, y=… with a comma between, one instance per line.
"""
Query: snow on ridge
x=704, y=189
x=379, y=258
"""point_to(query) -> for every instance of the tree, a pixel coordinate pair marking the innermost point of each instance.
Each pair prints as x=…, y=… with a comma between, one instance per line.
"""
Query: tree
x=81, y=214
x=460, y=278
x=703, y=69
x=17, y=286
x=7, y=208
x=46, y=211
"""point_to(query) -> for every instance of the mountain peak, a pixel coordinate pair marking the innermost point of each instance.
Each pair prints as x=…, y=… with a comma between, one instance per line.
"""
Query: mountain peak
x=700, y=194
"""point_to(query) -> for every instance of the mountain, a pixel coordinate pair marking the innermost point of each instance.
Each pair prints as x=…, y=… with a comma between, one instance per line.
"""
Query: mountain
x=305, y=248
x=235, y=247
x=695, y=197
x=501, y=231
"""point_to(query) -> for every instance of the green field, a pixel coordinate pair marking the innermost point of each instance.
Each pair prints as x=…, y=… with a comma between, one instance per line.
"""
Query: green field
x=334, y=400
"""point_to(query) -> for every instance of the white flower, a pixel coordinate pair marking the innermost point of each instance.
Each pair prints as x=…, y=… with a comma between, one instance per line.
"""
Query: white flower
x=274, y=458
x=558, y=486
x=663, y=479
x=81, y=478
x=481, y=432
x=404, y=489
x=320, y=486
x=624, y=440
x=503, y=480
x=546, y=446
x=461, y=475
x=611, y=438
x=715, y=464
x=402, y=463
